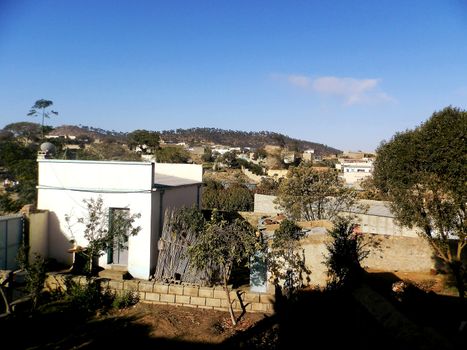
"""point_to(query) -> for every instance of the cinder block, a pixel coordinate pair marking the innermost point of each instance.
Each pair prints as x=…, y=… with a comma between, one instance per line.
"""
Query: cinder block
x=176, y=289
x=168, y=298
x=161, y=288
x=251, y=297
x=182, y=299
x=206, y=292
x=213, y=302
x=131, y=285
x=142, y=295
x=153, y=296
x=198, y=301
x=116, y=285
x=235, y=303
x=258, y=307
x=189, y=305
x=191, y=291
x=220, y=294
x=146, y=286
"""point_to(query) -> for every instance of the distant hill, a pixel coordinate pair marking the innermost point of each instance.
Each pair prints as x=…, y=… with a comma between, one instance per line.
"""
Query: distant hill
x=203, y=136
x=237, y=138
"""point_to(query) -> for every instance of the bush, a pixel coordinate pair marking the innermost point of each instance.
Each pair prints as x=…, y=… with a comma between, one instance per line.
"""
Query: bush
x=88, y=297
x=126, y=299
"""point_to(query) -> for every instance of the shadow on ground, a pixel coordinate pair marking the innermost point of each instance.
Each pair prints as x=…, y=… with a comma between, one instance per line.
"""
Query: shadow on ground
x=368, y=317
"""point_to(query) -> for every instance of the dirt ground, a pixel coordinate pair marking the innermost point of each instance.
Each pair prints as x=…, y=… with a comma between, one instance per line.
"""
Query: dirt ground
x=189, y=324
x=314, y=317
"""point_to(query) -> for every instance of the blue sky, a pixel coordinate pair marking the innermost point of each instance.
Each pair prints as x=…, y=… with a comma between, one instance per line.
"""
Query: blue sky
x=348, y=74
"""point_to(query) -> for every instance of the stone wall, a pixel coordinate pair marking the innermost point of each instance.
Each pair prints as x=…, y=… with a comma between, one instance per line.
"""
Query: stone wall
x=179, y=295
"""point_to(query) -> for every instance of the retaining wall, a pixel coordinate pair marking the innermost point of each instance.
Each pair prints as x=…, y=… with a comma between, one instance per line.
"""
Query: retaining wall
x=178, y=294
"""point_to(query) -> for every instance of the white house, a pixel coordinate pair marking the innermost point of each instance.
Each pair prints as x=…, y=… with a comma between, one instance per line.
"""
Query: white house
x=146, y=188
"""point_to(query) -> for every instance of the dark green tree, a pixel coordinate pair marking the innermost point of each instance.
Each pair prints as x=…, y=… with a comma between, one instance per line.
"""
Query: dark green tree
x=146, y=141
x=423, y=172
x=26, y=130
x=40, y=108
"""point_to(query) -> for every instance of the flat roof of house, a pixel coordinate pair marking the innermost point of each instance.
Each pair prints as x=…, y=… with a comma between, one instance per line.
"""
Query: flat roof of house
x=161, y=181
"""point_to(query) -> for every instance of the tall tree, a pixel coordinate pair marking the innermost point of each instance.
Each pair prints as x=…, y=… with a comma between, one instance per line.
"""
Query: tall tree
x=423, y=172
x=311, y=194
x=40, y=108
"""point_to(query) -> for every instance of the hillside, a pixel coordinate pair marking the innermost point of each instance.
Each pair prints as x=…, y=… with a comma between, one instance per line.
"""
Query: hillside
x=202, y=136
x=237, y=138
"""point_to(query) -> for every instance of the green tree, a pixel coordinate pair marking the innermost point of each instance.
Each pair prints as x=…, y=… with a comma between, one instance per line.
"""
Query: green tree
x=224, y=243
x=40, y=108
x=236, y=197
x=26, y=130
x=267, y=186
x=172, y=155
x=207, y=155
x=310, y=194
x=286, y=260
x=101, y=231
x=146, y=141
x=423, y=172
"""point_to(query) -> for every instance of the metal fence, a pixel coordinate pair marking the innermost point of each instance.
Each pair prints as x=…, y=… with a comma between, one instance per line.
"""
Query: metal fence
x=11, y=234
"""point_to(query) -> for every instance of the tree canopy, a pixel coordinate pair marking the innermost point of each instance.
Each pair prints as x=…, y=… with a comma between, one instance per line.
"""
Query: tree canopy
x=311, y=194
x=40, y=108
x=224, y=243
x=146, y=141
x=424, y=174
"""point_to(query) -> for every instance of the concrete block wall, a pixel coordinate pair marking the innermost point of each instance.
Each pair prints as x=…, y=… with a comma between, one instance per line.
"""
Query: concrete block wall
x=178, y=294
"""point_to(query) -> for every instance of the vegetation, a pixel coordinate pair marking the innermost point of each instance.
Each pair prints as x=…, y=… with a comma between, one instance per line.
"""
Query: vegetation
x=27, y=131
x=146, y=141
x=234, y=197
x=286, y=261
x=224, y=243
x=172, y=155
x=310, y=194
x=40, y=108
x=423, y=173
x=268, y=186
x=235, y=138
x=345, y=252
x=18, y=161
x=102, y=232
x=107, y=151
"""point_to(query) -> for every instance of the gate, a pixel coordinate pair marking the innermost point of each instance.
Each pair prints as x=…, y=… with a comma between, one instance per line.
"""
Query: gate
x=11, y=235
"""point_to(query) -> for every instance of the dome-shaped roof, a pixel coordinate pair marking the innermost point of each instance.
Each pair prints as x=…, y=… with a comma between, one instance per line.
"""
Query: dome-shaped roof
x=47, y=147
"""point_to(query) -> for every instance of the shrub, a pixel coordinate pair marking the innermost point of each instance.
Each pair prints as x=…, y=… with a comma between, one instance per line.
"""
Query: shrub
x=126, y=299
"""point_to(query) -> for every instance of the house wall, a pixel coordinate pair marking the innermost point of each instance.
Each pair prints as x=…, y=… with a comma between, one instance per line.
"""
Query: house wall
x=38, y=229
x=176, y=197
x=63, y=185
x=187, y=171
